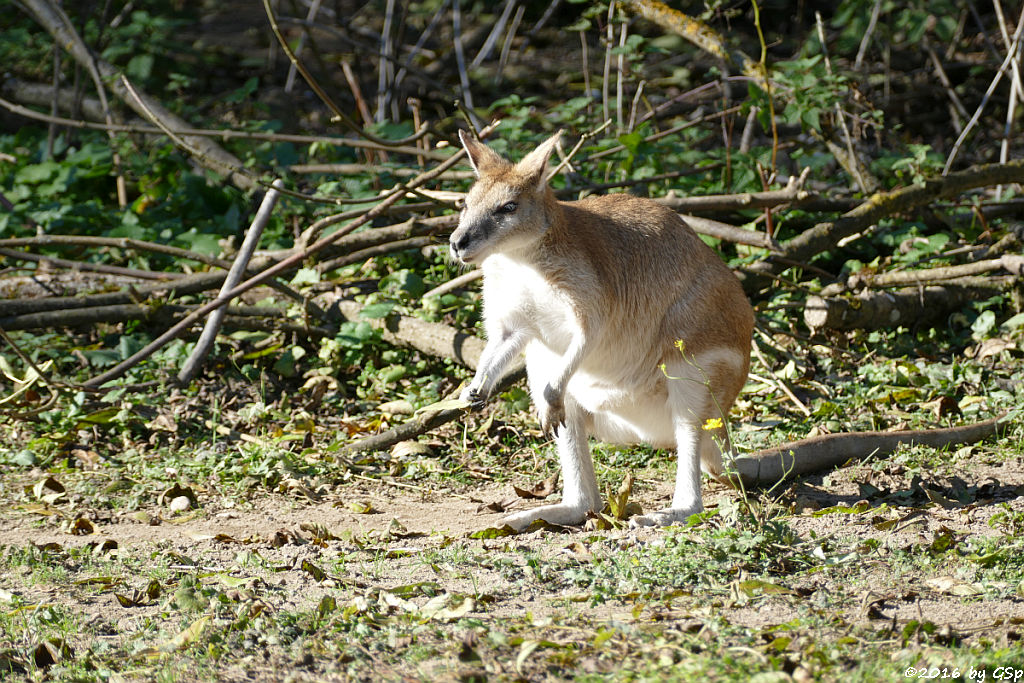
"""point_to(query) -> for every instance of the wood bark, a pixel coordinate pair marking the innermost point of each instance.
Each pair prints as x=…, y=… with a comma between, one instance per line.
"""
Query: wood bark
x=434, y=339
x=827, y=235
x=1011, y=263
x=235, y=274
x=768, y=467
x=909, y=307
x=119, y=313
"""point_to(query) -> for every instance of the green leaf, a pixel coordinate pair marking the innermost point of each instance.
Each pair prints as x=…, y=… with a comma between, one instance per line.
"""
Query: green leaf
x=140, y=66
x=494, y=532
x=306, y=276
x=287, y=364
x=37, y=173
x=316, y=572
x=243, y=93
x=984, y=324
x=378, y=310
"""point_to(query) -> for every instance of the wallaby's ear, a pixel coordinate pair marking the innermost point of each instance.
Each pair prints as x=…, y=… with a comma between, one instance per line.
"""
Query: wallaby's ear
x=535, y=164
x=481, y=157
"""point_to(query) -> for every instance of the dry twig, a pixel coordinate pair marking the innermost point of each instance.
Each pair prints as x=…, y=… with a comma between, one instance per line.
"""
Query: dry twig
x=252, y=238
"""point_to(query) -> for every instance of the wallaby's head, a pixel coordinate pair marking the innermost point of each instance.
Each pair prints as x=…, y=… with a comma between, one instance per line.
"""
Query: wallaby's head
x=505, y=209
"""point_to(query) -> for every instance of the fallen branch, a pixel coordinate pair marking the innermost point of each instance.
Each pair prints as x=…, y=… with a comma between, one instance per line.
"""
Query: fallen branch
x=1012, y=263
x=87, y=266
x=423, y=422
x=125, y=243
x=374, y=169
x=731, y=233
x=434, y=339
x=200, y=282
x=826, y=236
x=414, y=227
x=376, y=250
x=910, y=307
x=768, y=467
x=252, y=238
x=182, y=286
x=49, y=17
x=190, y=284
x=792, y=193
x=150, y=313
x=455, y=283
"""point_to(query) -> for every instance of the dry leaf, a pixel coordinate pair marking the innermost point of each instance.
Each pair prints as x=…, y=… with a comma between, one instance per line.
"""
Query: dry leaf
x=950, y=585
x=400, y=407
x=361, y=507
x=496, y=506
x=82, y=526
x=541, y=489
x=167, y=497
x=186, y=637
x=405, y=449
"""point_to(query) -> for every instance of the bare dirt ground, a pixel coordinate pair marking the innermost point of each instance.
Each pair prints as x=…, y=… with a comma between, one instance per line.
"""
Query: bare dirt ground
x=401, y=524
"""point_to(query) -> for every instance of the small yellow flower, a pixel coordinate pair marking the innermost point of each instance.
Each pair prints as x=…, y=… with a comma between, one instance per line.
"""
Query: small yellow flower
x=681, y=345
x=713, y=423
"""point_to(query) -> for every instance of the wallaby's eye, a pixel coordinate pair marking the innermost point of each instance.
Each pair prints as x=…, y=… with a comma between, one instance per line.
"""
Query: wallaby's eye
x=507, y=208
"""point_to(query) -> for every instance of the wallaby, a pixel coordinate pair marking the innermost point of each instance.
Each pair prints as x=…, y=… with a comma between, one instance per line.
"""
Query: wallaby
x=634, y=330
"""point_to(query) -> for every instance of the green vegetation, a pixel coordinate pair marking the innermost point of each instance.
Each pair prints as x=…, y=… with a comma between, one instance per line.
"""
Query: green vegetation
x=226, y=529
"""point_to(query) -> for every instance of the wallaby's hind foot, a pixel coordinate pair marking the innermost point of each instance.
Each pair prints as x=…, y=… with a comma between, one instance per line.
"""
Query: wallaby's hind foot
x=665, y=517
x=561, y=514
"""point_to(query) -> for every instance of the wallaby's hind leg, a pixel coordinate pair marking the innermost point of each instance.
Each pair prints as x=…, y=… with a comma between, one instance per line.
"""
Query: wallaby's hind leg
x=686, y=501
x=580, y=494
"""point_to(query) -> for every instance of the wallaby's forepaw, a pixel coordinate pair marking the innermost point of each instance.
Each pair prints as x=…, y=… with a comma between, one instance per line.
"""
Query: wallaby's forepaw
x=664, y=517
x=474, y=397
x=551, y=419
x=561, y=514
x=552, y=415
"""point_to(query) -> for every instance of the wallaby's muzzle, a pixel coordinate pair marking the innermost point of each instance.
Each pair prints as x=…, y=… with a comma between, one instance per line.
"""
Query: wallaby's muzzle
x=457, y=245
x=467, y=240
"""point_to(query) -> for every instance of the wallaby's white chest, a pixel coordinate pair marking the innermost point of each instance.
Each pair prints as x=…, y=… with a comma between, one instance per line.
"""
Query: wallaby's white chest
x=517, y=296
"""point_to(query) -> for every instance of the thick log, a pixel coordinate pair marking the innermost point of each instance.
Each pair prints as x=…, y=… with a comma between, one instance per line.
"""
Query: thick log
x=434, y=339
x=910, y=307
x=768, y=467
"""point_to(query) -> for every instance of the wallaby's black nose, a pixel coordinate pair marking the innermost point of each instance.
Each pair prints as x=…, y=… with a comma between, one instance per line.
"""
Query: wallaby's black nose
x=458, y=244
